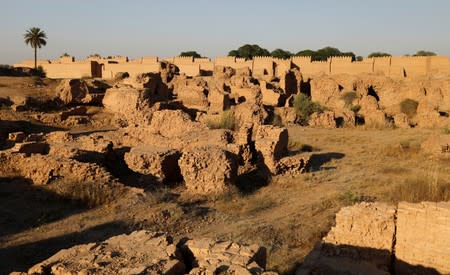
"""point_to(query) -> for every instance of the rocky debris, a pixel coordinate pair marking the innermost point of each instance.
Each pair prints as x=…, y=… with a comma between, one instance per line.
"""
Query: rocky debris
x=76, y=111
x=42, y=169
x=144, y=252
x=401, y=120
x=428, y=116
x=213, y=257
x=119, y=76
x=437, y=145
x=193, y=93
x=324, y=119
x=271, y=144
x=92, y=148
x=174, y=123
x=423, y=237
x=22, y=103
x=132, y=105
x=344, y=118
x=16, y=136
x=140, y=252
x=158, y=162
x=270, y=97
x=73, y=91
x=59, y=137
x=218, y=101
x=375, y=118
x=250, y=113
x=367, y=236
x=31, y=147
x=34, y=137
x=326, y=91
x=157, y=90
x=251, y=95
x=208, y=169
x=293, y=165
x=287, y=115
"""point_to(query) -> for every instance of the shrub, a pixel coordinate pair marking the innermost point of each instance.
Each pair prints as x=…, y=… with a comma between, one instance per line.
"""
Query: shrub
x=226, y=121
x=305, y=107
x=446, y=131
x=348, y=97
x=409, y=107
x=39, y=72
x=355, y=108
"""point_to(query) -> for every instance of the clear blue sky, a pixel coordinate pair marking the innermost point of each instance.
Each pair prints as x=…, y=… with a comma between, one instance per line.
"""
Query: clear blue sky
x=165, y=28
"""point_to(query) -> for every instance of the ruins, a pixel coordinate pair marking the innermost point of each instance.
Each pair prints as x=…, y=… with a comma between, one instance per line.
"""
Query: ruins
x=107, y=68
x=202, y=150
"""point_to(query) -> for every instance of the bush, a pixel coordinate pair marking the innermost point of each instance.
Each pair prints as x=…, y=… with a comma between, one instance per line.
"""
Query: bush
x=226, y=121
x=305, y=107
x=355, y=108
x=39, y=72
x=409, y=107
x=348, y=97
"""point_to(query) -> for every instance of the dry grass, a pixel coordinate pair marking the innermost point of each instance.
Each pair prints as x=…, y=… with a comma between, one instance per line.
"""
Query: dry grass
x=88, y=194
x=431, y=185
x=291, y=213
x=227, y=120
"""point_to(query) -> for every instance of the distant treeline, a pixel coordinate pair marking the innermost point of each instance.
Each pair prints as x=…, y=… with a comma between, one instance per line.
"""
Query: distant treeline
x=248, y=51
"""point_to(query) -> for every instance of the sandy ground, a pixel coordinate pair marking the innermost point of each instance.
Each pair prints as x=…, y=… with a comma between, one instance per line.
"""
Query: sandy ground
x=288, y=215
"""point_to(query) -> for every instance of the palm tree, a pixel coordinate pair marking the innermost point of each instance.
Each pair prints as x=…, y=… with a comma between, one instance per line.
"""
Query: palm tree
x=35, y=37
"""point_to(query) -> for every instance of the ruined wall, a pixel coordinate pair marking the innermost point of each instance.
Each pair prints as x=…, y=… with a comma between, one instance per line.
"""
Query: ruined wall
x=263, y=65
x=439, y=64
x=282, y=66
x=69, y=70
x=110, y=70
x=344, y=64
x=193, y=66
x=233, y=62
x=396, y=67
x=410, y=238
x=381, y=65
x=409, y=66
x=423, y=235
x=189, y=69
x=205, y=64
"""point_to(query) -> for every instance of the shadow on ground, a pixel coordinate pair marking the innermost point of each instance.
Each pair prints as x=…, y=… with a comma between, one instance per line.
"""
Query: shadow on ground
x=22, y=257
x=318, y=160
x=24, y=206
x=347, y=259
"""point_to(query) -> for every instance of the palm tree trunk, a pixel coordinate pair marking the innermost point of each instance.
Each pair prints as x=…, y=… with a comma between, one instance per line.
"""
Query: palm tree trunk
x=35, y=58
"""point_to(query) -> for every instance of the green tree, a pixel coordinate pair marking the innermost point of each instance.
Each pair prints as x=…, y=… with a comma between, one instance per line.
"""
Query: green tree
x=35, y=37
x=378, y=54
x=280, y=53
x=324, y=53
x=359, y=58
x=96, y=55
x=191, y=53
x=248, y=51
x=65, y=55
x=306, y=53
x=425, y=53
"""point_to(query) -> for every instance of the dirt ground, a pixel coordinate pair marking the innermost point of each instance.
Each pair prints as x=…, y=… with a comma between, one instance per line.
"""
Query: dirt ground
x=287, y=215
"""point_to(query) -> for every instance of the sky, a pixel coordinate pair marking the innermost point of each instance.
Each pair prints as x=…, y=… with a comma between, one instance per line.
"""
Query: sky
x=165, y=28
